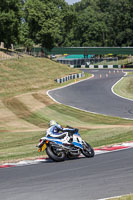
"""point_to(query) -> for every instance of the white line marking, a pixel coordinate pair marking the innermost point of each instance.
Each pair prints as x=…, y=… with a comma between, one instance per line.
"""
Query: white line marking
x=112, y=89
x=113, y=197
x=97, y=152
x=65, y=87
x=80, y=108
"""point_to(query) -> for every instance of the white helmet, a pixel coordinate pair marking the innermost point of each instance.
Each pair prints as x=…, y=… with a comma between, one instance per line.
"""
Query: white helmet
x=52, y=123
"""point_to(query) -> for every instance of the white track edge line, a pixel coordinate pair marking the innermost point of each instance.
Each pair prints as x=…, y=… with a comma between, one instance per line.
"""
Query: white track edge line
x=113, y=197
x=87, y=111
x=65, y=87
x=112, y=89
x=97, y=152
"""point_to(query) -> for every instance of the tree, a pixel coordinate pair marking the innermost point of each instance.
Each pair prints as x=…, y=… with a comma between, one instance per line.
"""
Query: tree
x=10, y=18
x=90, y=28
x=44, y=21
x=104, y=23
x=119, y=23
x=51, y=23
x=25, y=39
x=69, y=20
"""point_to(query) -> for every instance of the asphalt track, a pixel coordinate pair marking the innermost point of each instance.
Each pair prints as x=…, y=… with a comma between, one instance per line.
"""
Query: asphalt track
x=103, y=176
x=95, y=95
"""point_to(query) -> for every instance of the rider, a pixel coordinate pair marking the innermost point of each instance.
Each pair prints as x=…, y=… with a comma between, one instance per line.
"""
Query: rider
x=57, y=131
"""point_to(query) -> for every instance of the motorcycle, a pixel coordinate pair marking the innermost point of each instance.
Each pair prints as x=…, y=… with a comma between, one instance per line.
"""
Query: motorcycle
x=57, y=150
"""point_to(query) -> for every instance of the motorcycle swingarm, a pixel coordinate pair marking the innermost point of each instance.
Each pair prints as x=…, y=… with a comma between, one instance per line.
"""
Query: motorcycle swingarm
x=60, y=147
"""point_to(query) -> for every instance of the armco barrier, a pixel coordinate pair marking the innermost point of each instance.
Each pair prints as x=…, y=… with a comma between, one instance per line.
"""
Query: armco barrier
x=127, y=66
x=96, y=66
x=69, y=77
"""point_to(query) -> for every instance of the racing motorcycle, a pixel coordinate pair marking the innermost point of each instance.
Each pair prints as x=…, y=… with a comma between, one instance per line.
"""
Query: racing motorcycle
x=57, y=150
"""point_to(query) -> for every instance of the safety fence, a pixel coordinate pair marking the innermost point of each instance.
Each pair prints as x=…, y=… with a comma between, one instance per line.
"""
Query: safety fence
x=97, y=66
x=89, y=61
x=70, y=77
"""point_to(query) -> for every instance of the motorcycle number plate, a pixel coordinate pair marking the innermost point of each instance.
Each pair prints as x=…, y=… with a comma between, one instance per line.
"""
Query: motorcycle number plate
x=43, y=147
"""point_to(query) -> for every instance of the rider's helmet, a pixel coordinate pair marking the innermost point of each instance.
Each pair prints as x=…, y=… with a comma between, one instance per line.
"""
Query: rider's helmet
x=52, y=123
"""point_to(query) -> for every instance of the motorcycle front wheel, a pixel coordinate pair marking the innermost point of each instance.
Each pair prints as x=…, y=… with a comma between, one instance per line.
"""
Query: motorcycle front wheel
x=55, y=155
x=87, y=150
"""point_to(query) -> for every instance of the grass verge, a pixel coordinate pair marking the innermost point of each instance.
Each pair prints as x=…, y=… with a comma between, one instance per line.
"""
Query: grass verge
x=26, y=109
x=125, y=87
x=126, y=197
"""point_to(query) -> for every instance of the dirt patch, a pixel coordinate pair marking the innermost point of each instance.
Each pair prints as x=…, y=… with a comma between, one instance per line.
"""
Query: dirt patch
x=17, y=107
x=23, y=107
x=31, y=102
x=10, y=120
x=16, y=110
x=4, y=55
x=43, y=98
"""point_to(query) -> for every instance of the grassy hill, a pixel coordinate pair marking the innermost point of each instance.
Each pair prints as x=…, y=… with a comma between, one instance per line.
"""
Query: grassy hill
x=25, y=109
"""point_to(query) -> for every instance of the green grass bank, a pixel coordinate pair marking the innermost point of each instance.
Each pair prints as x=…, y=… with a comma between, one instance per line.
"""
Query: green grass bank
x=26, y=110
x=125, y=87
x=127, y=197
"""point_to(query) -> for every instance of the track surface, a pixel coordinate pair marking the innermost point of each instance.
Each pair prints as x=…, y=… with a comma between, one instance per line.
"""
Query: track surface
x=103, y=176
x=95, y=95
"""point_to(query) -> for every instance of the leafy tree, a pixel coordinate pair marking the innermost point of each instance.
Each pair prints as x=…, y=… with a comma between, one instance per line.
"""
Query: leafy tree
x=10, y=17
x=25, y=39
x=52, y=23
x=104, y=23
x=119, y=23
x=69, y=21
x=91, y=29
x=44, y=21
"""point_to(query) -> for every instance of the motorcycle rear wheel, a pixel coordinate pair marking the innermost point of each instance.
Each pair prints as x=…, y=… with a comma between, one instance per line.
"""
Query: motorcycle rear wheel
x=54, y=155
x=88, y=151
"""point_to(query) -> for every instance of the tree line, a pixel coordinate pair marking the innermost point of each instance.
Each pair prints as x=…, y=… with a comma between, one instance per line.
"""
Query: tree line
x=52, y=23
